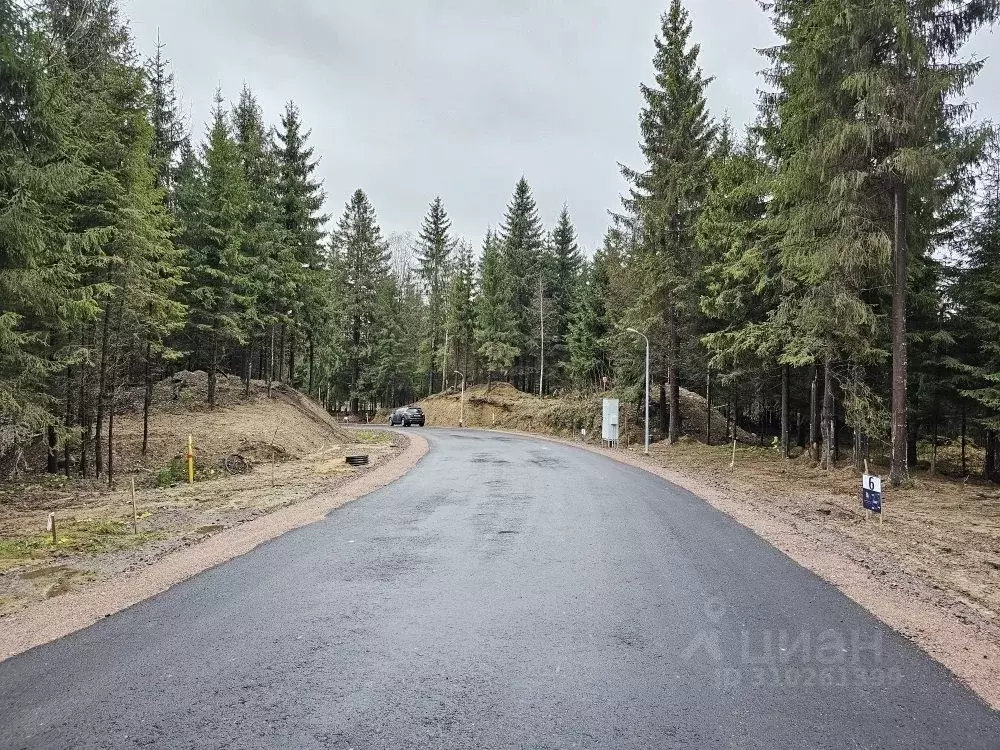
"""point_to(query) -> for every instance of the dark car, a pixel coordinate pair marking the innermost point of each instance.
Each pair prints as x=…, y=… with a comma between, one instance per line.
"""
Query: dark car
x=407, y=416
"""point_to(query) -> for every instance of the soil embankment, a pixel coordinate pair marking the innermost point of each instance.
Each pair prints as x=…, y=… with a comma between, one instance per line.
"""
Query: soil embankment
x=292, y=451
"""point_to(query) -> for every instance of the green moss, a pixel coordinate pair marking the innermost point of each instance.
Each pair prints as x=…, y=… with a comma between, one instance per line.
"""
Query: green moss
x=24, y=548
x=90, y=536
x=372, y=437
x=100, y=527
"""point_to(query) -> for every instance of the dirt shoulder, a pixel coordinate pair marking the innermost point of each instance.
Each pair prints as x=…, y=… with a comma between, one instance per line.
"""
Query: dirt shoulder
x=301, y=503
x=288, y=448
x=928, y=572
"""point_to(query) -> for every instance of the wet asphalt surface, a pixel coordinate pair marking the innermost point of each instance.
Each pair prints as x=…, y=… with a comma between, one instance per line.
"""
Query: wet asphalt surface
x=507, y=593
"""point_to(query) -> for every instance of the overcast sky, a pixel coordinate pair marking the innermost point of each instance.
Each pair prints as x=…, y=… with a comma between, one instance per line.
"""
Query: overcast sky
x=409, y=99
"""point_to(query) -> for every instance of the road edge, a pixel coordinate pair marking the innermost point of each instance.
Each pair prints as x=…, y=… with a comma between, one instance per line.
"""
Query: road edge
x=975, y=664
x=56, y=618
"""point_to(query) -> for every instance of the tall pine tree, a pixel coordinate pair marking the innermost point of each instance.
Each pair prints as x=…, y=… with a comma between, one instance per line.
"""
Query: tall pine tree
x=522, y=243
x=665, y=197
x=301, y=196
x=220, y=285
x=364, y=257
x=434, y=249
x=496, y=324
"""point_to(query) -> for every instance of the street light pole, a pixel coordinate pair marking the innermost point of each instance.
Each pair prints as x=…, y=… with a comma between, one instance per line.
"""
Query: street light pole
x=632, y=330
x=461, y=418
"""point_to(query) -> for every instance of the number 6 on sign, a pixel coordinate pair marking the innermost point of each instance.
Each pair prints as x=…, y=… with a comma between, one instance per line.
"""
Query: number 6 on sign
x=871, y=493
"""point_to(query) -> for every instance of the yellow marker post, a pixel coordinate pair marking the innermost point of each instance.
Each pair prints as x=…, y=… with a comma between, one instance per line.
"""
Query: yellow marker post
x=190, y=457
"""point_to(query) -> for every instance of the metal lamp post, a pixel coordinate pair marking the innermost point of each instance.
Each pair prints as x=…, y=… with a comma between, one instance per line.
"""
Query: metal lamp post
x=632, y=330
x=461, y=418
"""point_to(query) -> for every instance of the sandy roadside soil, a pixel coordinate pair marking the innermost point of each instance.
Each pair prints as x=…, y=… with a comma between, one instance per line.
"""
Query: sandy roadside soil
x=964, y=639
x=60, y=616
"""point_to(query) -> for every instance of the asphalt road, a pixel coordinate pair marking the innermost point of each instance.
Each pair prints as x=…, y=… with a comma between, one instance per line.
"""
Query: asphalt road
x=507, y=593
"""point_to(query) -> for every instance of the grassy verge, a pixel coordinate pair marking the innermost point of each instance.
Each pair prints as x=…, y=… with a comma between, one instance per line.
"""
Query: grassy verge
x=88, y=536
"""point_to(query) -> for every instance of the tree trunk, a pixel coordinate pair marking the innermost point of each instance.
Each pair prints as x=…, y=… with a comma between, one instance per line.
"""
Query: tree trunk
x=934, y=437
x=814, y=415
x=270, y=365
x=911, y=443
x=990, y=472
x=147, y=397
x=898, y=467
x=708, y=400
x=83, y=417
x=835, y=430
x=68, y=421
x=674, y=427
x=827, y=415
x=292, y=342
x=101, y=394
x=213, y=354
x=736, y=412
x=52, y=459
x=465, y=359
x=664, y=417
x=111, y=437
x=758, y=398
x=785, y=427
x=964, y=470
x=312, y=362
x=281, y=354
x=85, y=431
x=248, y=370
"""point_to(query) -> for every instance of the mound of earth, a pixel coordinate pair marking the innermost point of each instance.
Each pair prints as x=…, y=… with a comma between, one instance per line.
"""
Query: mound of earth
x=502, y=406
x=285, y=425
x=292, y=448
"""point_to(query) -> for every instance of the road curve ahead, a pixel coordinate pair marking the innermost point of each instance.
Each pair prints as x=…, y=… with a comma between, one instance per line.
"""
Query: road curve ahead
x=507, y=593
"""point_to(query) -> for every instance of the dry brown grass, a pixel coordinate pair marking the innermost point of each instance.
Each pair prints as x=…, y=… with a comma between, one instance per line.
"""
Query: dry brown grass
x=296, y=451
x=942, y=530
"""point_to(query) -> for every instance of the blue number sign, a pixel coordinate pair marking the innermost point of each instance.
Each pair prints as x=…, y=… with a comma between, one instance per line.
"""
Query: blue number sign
x=871, y=493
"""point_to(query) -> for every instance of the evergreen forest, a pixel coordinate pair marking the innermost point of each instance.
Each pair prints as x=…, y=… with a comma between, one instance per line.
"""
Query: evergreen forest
x=828, y=274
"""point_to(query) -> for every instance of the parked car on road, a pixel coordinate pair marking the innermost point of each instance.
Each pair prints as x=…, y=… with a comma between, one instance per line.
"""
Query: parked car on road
x=407, y=416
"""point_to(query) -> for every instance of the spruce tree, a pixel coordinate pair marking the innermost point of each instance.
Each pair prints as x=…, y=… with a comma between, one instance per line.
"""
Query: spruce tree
x=364, y=257
x=220, y=285
x=275, y=270
x=862, y=113
x=168, y=125
x=741, y=281
x=665, y=197
x=168, y=138
x=979, y=297
x=496, y=324
x=301, y=197
x=586, y=346
x=120, y=226
x=434, y=249
x=908, y=81
x=461, y=320
x=522, y=242
x=388, y=373
x=37, y=278
x=826, y=225
x=564, y=285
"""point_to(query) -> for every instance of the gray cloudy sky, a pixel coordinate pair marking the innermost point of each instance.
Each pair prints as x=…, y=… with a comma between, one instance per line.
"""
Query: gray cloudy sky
x=409, y=99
